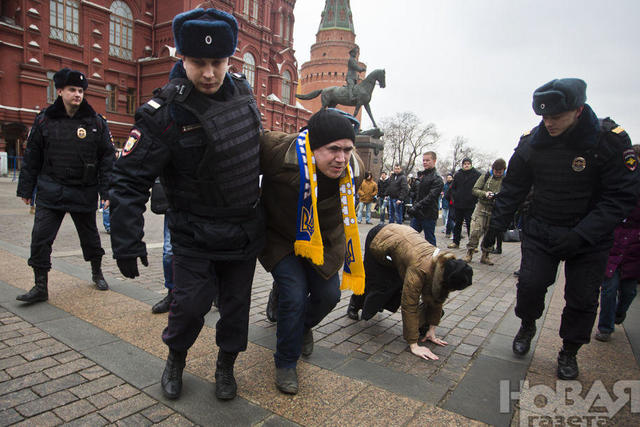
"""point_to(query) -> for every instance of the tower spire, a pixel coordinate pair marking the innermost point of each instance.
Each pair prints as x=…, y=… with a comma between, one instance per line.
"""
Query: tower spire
x=336, y=15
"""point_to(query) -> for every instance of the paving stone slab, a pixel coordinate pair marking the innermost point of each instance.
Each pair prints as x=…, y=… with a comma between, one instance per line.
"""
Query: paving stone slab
x=128, y=362
x=394, y=381
x=477, y=395
x=76, y=333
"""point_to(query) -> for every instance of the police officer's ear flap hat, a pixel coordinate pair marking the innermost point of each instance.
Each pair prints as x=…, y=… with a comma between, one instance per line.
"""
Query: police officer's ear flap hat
x=209, y=33
x=558, y=96
x=68, y=77
x=327, y=126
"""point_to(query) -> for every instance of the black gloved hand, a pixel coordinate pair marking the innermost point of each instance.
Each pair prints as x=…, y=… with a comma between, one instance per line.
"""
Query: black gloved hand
x=566, y=246
x=489, y=238
x=129, y=266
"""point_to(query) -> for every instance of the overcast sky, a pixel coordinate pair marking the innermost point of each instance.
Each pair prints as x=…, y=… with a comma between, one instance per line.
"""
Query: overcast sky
x=470, y=66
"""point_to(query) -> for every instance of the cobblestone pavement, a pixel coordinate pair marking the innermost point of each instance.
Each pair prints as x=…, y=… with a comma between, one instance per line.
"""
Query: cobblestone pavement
x=478, y=325
x=470, y=316
x=43, y=382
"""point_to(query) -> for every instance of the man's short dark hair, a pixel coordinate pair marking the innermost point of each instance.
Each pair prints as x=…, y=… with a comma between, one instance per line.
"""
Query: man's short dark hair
x=499, y=165
x=433, y=155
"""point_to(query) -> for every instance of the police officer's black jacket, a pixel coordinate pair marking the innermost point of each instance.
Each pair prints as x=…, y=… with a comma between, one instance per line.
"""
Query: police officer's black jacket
x=580, y=181
x=461, y=188
x=428, y=194
x=206, y=151
x=68, y=158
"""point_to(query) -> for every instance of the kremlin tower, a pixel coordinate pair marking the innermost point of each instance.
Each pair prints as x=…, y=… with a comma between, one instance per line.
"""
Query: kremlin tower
x=329, y=54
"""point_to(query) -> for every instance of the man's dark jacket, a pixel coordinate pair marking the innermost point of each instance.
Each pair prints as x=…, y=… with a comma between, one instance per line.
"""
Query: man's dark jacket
x=64, y=180
x=427, y=195
x=382, y=187
x=462, y=186
x=397, y=187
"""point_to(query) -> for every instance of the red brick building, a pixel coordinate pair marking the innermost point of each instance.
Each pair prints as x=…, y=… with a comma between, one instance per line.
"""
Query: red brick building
x=330, y=53
x=126, y=50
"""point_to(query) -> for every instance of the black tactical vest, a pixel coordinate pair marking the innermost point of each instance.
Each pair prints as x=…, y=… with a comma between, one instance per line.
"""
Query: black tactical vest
x=71, y=150
x=215, y=162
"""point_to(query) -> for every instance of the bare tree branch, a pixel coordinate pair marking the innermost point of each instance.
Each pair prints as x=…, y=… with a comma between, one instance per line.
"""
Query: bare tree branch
x=406, y=139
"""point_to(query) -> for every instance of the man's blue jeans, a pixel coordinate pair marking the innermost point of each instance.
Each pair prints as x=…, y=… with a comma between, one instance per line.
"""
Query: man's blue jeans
x=367, y=207
x=395, y=211
x=426, y=225
x=106, y=219
x=167, y=256
x=615, y=298
x=304, y=299
x=384, y=208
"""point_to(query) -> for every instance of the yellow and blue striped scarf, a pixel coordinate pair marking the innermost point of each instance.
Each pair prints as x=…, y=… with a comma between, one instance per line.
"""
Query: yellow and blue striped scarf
x=308, y=242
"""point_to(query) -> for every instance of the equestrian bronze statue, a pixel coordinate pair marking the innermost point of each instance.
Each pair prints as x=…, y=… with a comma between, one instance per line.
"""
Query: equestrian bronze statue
x=334, y=95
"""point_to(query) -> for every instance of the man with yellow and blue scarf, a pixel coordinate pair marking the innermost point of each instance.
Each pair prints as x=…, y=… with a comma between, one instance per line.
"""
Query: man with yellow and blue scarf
x=308, y=194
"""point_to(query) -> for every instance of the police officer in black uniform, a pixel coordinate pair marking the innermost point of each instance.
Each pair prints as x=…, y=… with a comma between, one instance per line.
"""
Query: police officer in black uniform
x=584, y=178
x=200, y=134
x=69, y=157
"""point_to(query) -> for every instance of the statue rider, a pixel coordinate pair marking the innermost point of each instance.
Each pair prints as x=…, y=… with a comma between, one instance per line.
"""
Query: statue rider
x=354, y=69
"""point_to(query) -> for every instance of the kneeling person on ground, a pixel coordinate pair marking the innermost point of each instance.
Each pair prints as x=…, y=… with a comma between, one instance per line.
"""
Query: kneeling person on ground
x=404, y=270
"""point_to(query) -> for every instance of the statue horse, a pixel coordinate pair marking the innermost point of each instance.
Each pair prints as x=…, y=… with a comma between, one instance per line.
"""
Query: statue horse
x=334, y=95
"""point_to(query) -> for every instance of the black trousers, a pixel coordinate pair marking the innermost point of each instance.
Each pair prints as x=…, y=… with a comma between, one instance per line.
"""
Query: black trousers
x=460, y=216
x=196, y=283
x=584, y=274
x=45, y=228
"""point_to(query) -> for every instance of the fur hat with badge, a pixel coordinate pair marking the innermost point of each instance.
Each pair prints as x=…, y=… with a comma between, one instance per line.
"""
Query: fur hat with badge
x=205, y=33
x=558, y=96
x=69, y=77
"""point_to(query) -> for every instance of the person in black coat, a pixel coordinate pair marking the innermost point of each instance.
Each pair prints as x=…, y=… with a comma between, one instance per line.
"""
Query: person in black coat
x=69, y=158
x=464, y=202
x=585, y=179
x=425, y=209
x=397, y=190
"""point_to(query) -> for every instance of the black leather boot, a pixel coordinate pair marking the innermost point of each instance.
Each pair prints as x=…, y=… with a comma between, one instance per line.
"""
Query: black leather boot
x=226, y=387
x=272, y=304
x=355, y=304
x=162, y=306
x=567, y=365
x=522, y=341
x=307, y=342
x=39, y=292
x=96, y=274
x=172, y=375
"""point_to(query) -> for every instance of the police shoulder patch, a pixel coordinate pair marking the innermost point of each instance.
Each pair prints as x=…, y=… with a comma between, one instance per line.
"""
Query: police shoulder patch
x=630, y=159
x=132, y=141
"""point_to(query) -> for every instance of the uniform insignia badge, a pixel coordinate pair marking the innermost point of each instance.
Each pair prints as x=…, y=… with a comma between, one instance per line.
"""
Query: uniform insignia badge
x=630, y=159
x=208, y=39
x=578, y=164
x=81, y=132
x=131, y=143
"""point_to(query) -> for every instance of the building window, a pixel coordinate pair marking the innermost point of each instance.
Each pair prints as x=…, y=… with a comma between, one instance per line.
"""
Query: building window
x=111, y=98
x=281, y=33
x=249, y=68
x=131, y=101
x=121, y=31
x=52, y=93
x=286, y=87
x=287, y=26
x=250, y=9
x=64, y=21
